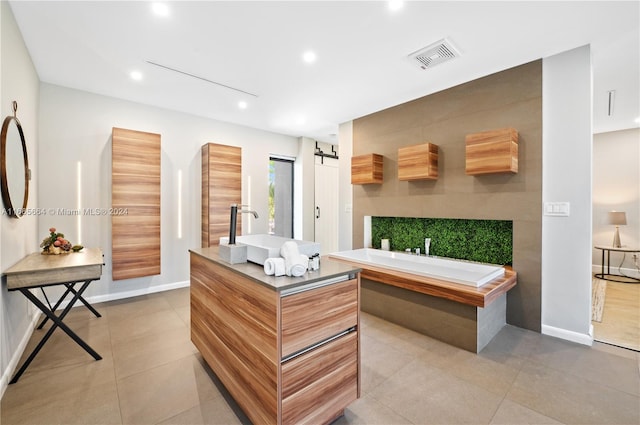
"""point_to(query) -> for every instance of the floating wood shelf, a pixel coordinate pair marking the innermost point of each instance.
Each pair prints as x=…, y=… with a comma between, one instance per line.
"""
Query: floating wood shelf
x=418, y=162
x=494, y=151
x=366, y=169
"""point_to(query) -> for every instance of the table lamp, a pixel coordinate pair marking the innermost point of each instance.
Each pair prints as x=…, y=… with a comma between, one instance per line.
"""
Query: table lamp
x=617, y=218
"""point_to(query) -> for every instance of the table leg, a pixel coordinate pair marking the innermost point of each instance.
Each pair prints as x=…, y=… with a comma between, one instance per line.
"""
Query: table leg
x=57, y=322
x=55, y=307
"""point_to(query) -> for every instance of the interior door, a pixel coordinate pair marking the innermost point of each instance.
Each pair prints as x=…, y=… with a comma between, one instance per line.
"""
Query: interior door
x=326, y=200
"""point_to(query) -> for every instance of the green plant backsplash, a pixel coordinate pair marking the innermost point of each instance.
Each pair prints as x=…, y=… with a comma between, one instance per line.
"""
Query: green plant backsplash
x=487, y=241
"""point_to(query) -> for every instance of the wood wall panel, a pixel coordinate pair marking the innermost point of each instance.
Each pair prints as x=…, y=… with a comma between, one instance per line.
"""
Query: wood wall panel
x=221, y=187
x=135, y=186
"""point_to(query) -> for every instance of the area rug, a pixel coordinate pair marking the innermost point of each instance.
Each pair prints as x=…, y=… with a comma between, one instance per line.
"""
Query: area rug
x=598, y=290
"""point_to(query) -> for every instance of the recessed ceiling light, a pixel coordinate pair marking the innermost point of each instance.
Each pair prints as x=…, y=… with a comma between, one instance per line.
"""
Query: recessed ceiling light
x=309, y=56
x=637, y=120
x=242, y=104
x=136, y=75
x=160, y=9
x=395, y=5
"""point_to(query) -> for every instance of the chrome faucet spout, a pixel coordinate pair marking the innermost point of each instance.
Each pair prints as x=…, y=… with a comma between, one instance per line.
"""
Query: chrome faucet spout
x=240, y=211
x=255, y=214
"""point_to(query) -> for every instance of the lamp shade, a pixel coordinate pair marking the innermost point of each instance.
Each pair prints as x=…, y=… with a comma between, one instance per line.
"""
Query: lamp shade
x=617, y=218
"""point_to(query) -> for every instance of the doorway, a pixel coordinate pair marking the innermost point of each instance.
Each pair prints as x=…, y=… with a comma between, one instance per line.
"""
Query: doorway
x=616, y=187
x=326, y=204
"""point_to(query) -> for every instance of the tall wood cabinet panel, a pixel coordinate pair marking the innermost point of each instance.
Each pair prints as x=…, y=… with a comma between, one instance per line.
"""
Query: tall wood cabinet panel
x=135, y=188
x=221, y=187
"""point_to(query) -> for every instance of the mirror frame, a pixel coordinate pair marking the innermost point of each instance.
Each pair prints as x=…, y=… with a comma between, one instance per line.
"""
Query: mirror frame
x=6, y=196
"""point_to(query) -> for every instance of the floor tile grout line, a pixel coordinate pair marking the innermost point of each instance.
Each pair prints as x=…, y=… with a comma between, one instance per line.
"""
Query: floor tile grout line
x=113, y=366
x=564, y=371
x=506, y=397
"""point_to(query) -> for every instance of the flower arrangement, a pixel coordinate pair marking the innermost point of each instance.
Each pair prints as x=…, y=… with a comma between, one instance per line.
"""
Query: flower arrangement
x=56, y=243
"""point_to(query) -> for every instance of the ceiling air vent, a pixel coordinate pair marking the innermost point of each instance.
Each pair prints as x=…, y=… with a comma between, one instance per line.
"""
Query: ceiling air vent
x=434, y=54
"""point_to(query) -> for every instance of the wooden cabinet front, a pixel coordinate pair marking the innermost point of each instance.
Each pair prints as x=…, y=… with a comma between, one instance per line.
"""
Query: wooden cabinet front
x=367, y=169
x=135, y=195
x=221, y=187
x=312, y=316
x=245, y=331
x=418, y=162
x=318, y=385
x=494, y=151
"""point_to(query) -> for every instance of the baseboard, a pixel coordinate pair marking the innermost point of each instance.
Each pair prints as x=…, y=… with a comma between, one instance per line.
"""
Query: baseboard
x=13, y=363
x=584, y=339
x=597, y=268
x=130, y=294
x=7, y=373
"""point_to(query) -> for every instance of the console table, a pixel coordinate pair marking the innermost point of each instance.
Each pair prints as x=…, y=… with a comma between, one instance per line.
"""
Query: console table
x=39, y=271
x=608, y=275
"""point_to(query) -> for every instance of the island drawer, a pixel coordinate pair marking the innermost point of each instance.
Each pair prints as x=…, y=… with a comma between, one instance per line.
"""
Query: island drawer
x=313, y=316
x=318, y=385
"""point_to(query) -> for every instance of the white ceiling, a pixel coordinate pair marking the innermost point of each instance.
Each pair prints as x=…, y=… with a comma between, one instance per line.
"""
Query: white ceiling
x=362, y=48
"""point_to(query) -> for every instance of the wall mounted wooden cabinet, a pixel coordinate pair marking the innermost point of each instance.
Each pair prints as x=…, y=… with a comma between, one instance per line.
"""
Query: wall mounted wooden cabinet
x=135, y=188
x=366, y=169
x=418, y=162
x=494, y=151
x=221, y=187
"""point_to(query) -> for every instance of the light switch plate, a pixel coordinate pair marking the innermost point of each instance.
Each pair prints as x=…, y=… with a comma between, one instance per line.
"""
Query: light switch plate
x=556, y=209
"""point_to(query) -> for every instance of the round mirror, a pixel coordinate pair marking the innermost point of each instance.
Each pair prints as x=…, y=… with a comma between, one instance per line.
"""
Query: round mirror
x=15, y=166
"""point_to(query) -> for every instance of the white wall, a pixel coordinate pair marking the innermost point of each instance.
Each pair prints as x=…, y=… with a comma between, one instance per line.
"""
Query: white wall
x=19, y=82
x=345, y=193
x=304, y=199
x=616, y=186
x=76, y=126
x=567, y=153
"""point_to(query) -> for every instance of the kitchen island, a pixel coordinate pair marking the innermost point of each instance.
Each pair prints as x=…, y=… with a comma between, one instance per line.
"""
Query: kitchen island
x=286, y=348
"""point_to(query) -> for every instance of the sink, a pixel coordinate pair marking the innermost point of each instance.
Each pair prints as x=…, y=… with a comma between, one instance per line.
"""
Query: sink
x=262, y=246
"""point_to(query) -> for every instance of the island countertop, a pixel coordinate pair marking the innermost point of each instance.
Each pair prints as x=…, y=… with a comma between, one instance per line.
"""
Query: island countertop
x=328, y=269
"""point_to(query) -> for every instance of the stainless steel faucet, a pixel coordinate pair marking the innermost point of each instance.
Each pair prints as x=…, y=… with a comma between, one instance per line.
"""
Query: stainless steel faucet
x=255, y=214
x=234, y=218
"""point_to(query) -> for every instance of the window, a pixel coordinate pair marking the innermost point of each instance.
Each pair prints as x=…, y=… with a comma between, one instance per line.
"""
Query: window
x=281, y=197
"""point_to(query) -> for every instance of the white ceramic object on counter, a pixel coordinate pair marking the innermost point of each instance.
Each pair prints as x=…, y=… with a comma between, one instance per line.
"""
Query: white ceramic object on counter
x=262, y=246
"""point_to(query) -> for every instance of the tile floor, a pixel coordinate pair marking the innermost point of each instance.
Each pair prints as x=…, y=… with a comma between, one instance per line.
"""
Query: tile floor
x=152, y=374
